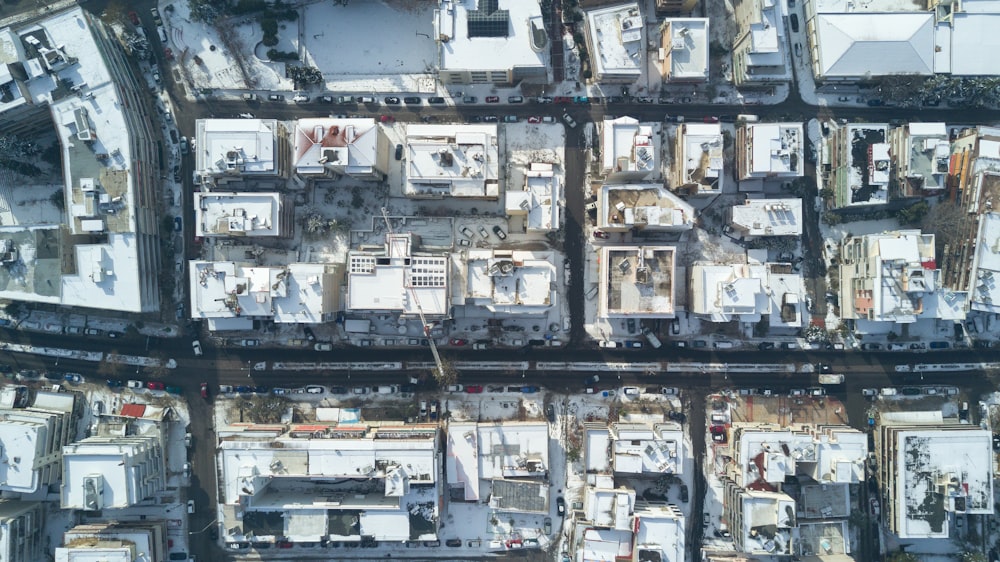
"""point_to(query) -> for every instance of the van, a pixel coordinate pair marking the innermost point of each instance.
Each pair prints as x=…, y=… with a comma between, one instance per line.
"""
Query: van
x=723, y=345
x=515, y=99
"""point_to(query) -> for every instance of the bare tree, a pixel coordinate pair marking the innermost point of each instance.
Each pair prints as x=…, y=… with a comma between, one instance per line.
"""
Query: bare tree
x=446, y=374
x=948, y=221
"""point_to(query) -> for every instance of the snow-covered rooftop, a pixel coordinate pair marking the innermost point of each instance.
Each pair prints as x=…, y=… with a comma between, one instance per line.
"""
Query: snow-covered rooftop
x=230, y=295
x=936, y=469
x=924, y=162
x=486, y=457
x=766, y=37
x=397, y=279
x=643, y=448
x=772, y=150
x=768, y=217
x=347, y=146
x=721, y=292
x=900, y=267
x=240, y=214
x=864, y=158
x=773, y=511
x=637, y=281
x=616, y=34
x=627, y=149
x=684, y=47
x=130, y=541
x=541, y=201
x=236, y=147
x=112, y=471
x=701, y=157
x=491, y=35
x=972, y=36
x=607, y=507
x=768, y=454
x=452, y=160
x=660, y=531
x=985, y=283
x=510, y=282
x=644, y=206
x=24, y=435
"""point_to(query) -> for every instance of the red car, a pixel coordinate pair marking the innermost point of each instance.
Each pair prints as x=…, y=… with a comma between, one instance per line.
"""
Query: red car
x=153, y=385
x=386, y=118
x=134, y=18
x=168, y=53
x=562, y=99
x=204, y=390
x=711, y=119
x=474, y=388
x=600, y=234
x=492, y=99
x=534, y=119
x=457, y=341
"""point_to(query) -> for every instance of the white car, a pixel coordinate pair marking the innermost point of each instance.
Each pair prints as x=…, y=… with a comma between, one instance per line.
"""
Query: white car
x=134, y=384
x=196, y=346
x=631, y=391
x=569, y=120
x=300, y=98
x=454, y=388
x=323, y=347
x=360, y=390
x=315, y=389
x=190, y=505
x=187, y=470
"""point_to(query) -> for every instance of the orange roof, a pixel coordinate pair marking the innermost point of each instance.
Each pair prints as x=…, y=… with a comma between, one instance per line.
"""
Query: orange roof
x=133, y=410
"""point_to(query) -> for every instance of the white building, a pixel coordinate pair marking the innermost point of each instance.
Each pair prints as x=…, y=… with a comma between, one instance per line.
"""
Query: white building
x=615, y=37
x=660, y=532
x=768, y=151
x=635, y=448
x=398, y=279
x=31, y=440
x=66, y=69
x=451, y=161
x=648, y=206
x=921, y=157
x=760, y=45
x=767, y=217
x=491, y=42
x=984, y=281
x=232, y=150
x=932, y=473
x=748, y=292
x=698, y=169
x=120, y=541
x=628, y=149
x=541, y=201
x=22, y=528
x=509, y=282
x=506, y=462
x=636, y=281
x=893, y=277
x=335, y=147
x=684, y=49
x=230, y=295
x=243, y=214
x=340, y=480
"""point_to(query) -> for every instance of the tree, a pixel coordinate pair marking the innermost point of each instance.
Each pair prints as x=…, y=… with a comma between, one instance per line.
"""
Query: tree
x=913, y=214
x=948, y=222
x=832, y=218
x=446, y=374
x=110, y=367
x=902, y=556
x=973, y=557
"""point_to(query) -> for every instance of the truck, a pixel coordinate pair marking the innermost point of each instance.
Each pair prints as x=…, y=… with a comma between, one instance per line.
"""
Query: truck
x=651, y=337
x=831, y=379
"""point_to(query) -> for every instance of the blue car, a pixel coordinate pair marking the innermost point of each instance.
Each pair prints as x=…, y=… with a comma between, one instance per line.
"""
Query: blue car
x=112, y=383
x=178, y=225
x=243, y=389
x=581, y=99
x=529, y=389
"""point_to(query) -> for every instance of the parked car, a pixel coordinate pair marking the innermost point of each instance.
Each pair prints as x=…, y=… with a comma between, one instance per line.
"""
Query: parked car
x=473, y=389
x=248, y=342
x=300, y=98
x=204, y=390
x=437, y=100
x=412, y=100
x=499, y=232
x=631, y=391
x=601, y=235
x=73, y=378
x=115, y=383
x=534, y=119
x=275, y=97
x=391, y=100
x=492, y=99
x=550, y=413
x=569, y=120
x=135, y=385
x=315, y=389
x=196, y=346
x=454, y=388
x=156, y=385
x=399, y=152
x=457, y=341
x=560, y=506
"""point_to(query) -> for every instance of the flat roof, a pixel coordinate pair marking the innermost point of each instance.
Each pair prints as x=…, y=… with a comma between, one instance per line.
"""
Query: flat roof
x=511, y=281
x=928, y=154
x=452, y=160
x=608, y=507
x=236, y=146
x=928, y=456
x=645, y=206
x=644, y=448
x=722, y=291
x=350, y=145
x=627, y=146
x=774, y=510
x=123, y=467
x=513, y=450
x=23, y=433
x=616, y=33
x=767, y=33
x=769, y=217
x=511, y=36
x=237, y=214
x=984, y=285
x=598, y=443
x=702, y=156
x=398, y=279
x=661, y=530
x=775, y=150
x=861, y=138
x=637, y=280
x=685, y=48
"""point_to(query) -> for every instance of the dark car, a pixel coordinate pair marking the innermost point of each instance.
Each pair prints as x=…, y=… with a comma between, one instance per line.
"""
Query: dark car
x=276, y=97
x=114, y=383
x=391, y=100
x=453, y=542
x=550, y=413
x=436, y=100
x=794, y=19
x=875, y=103
x=204, y=390
x=325, y=99
x=560, y=506
x=500, y=233
x=765, y=345
x=412, y=100
x=178, y=225
x=338, y=390
x=399, y=152
x=601, y=234
x=242, y=389
x=310, y=335
x=684, y=493
x=616, y=99
x=260, y=389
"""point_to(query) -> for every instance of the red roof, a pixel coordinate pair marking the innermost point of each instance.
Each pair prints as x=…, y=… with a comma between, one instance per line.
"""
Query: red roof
x=133, y=410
